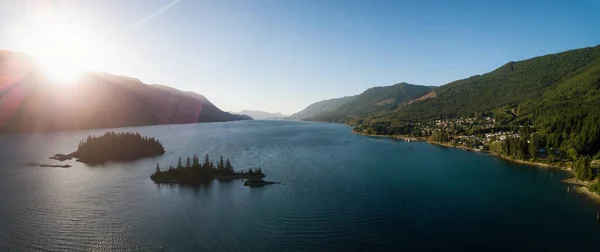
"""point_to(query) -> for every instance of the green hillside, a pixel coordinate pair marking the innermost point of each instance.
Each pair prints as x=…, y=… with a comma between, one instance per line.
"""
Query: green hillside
x=376, y=100
x=558, y=94
x=320, y=107
x=505, y=87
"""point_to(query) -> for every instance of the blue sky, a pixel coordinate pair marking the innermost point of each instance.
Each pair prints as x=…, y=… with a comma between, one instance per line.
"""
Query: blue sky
x=282, y=55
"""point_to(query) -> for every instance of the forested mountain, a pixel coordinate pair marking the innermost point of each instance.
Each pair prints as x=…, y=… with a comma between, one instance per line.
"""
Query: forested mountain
x=31, y=102
x=557, y=94
x=321, y=107
x=502, y=89
x=376, y=100
x=262, y=115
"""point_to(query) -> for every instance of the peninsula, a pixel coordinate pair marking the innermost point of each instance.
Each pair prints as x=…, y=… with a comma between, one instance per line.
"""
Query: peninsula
x=194, y=173
x=114, y=147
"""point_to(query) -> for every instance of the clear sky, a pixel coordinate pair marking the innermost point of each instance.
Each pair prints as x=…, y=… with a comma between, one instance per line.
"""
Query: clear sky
x=282, y=55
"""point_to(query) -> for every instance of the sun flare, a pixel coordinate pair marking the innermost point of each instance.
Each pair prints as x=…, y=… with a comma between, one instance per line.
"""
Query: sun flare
x=58, y=65
x=60, y=53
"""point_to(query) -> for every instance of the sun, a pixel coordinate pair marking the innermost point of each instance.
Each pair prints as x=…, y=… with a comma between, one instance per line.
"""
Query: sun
x=63, y=48
x=60, y=53
x=59, y=65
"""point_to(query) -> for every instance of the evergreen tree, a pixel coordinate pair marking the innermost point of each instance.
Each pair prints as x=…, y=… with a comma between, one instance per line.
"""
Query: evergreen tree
x=582, y=168
x=533, y=148
x=221, y=164
x=228, y=165
x=179, y=163
x=587, y=168
x=206, y=164
x=157, y=168
x=188, y=163
x=195, y=162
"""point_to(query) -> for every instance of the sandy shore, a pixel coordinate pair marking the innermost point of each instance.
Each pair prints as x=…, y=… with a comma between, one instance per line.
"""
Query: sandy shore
x=584, y=190
x=456, y=146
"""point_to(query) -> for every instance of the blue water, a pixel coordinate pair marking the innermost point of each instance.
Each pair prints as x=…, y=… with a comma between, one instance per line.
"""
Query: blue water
x=339, y=192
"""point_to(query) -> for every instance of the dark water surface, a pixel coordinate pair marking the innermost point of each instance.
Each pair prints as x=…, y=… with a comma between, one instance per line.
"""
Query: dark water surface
x=339, y=192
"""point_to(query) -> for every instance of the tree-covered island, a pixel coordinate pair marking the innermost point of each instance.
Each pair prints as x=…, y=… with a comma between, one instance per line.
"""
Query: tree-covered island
x=114, y=147
x=192, y=172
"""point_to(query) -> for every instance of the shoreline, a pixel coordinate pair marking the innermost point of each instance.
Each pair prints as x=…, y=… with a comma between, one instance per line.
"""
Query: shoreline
x=579, y=186
x=394, y=137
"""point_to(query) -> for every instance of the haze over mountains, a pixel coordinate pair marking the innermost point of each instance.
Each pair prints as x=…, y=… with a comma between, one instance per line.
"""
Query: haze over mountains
x=320, y=107
x=372, y=101
x=31, y=102
x=262, y=115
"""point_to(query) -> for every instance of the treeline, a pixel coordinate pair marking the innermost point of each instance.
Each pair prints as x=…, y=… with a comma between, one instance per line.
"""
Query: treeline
x=191, y=171
x=117, y=146
x=387, y=128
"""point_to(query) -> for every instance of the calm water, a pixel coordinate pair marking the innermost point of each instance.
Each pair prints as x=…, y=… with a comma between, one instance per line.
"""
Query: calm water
x=339, y=192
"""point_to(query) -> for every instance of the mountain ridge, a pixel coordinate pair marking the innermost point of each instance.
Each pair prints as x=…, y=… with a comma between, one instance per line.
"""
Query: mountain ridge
x=31, y=102
x=262, y=115
x=372, y=100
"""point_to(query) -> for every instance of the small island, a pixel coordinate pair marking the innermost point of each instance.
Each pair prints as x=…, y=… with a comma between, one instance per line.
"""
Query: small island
x=194, y=173
x=48, y=165
x=114, y=147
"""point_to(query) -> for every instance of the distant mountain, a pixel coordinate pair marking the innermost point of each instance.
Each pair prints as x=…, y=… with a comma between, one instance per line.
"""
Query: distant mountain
x=374, y=100
x=262, y=115
x=31, y=102
x=320, y=108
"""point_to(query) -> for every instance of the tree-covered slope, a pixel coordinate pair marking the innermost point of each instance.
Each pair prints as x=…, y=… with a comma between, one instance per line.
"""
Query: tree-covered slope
x=320, y=107
x=568, y=115
x=558, y=95
x=376, y=100
x=502, y=89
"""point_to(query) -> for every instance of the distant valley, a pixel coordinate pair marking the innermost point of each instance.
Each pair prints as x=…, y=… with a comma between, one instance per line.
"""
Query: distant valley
x=262, y=115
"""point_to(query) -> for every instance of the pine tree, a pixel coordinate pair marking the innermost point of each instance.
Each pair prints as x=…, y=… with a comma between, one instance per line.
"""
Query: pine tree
x=587, y=168
x=206, y=164
x=221, y=164
x=179, y=164
x=533, y=148
x=188, y=163
x=157, y=168
x=228, y=165
x=195, y=161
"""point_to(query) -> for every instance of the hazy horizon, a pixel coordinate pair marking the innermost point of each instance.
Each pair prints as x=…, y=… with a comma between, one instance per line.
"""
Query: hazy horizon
x=281, y=56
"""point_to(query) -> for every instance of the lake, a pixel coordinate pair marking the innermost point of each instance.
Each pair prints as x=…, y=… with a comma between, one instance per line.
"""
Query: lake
x=339, y=192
